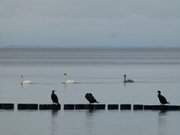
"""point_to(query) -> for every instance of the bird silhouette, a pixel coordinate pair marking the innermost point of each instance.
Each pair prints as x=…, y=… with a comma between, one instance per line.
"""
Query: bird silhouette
x=161, y=98
x=54, y=97
x=127, y=80
x=90, y=98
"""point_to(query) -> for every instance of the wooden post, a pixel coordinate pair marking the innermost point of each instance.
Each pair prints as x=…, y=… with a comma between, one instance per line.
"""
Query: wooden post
x=49, y=107
x=113, y=106
x=27, y=107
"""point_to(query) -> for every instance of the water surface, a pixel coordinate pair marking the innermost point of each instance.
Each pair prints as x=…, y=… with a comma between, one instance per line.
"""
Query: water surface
x=99, y=71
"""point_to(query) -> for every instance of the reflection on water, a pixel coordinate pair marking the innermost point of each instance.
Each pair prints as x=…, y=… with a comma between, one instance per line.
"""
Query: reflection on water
x=162, y=123
x=54, y=122
x=90, y=121
x=100, y=72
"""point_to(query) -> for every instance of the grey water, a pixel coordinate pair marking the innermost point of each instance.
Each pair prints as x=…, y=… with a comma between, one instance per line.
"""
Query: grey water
x=99, y=71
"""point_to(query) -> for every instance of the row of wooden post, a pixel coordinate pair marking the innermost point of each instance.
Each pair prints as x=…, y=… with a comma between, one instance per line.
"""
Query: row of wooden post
x=26, y=106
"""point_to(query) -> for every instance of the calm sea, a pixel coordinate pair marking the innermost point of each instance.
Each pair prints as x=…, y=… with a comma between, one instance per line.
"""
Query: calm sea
x=99, y=71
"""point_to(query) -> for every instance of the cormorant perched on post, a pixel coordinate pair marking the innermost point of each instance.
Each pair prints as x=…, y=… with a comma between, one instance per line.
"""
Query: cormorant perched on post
x=90, y=98
x=162, y=99
x=54, y=97
x=127, y=80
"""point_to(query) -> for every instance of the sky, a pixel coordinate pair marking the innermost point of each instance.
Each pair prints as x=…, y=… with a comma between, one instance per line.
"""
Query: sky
x=89, y=23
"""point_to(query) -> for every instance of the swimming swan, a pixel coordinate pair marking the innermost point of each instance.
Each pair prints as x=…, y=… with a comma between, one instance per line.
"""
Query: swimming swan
x=25, y=81
x=127, y=80
x=68, y=81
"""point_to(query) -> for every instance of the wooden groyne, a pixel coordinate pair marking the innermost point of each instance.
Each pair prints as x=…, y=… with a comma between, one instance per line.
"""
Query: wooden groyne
x=125, y=107
x=27, y=106
x=113, y=107
x=138, y=107
x=90, y=106
x=133, y=107
x=161, y=107
x=49, y=107
x=7, y=106
x=69, y=106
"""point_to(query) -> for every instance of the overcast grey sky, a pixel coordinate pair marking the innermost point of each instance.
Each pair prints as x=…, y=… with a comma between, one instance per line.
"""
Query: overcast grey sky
x=90, y=23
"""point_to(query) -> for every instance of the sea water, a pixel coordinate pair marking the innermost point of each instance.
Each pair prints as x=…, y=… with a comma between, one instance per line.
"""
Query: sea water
x=99, y=71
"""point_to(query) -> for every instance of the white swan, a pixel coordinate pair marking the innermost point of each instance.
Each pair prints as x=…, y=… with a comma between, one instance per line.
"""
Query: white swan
x=25, y=81
x=68, y=81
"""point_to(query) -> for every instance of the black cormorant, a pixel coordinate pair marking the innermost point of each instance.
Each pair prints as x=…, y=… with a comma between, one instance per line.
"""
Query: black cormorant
x=127, y=80
x=90, y=98
x=54, y=97
x=162, y=99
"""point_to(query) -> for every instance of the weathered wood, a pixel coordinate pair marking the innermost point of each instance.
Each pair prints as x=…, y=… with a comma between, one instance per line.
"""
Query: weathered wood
x=90, y=106
x=137, y=107
x=49, y=107
x=69, y=106
x=113, y=106
x=161, y=107
x=81, y=106
x=125, y=106
x=99, y=106
x=27, y=107
x=7, y=106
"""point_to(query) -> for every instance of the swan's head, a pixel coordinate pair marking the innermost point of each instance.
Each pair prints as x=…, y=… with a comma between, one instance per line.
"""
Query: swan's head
x=65, y=74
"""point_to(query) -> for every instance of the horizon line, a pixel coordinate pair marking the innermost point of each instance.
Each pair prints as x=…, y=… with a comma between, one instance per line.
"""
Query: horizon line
x=53, y=47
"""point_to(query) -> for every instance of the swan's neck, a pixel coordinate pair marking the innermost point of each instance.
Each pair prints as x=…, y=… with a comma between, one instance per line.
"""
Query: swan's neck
x=65, y=78
x=22, y=78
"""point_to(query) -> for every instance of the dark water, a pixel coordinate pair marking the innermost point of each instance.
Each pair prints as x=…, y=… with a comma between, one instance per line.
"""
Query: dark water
x=99, y=71
x=57, y=56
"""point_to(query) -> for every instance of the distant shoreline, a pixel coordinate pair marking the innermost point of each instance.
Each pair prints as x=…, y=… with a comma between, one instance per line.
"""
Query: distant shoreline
x=95, y=48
